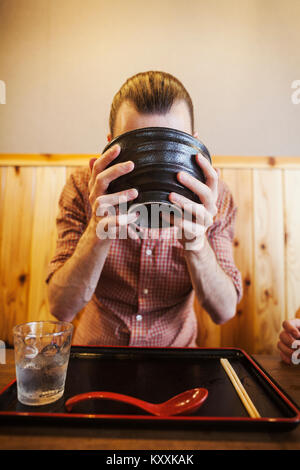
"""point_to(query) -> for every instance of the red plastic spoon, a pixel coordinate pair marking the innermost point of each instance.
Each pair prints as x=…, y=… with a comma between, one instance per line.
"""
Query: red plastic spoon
x=184, y=403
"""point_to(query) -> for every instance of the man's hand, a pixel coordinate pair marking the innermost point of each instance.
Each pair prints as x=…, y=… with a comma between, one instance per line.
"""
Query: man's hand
x=214, y=289
x=105, y=216
x=200, y=216
x=74, y=283
x=289, y=334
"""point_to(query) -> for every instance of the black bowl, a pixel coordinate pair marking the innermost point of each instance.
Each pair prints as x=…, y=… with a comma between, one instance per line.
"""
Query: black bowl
x=158, y=153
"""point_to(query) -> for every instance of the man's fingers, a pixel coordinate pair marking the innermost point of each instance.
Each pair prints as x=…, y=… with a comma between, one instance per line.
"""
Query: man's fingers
x=91, y=163
x=198, y=211
x=286, y=338
x=285, y=349
x=186, y=228
x=115, y=226
x=285, y=358
x=106, y=158
x=211, y=175
x=99, y=164
x=202, y=190
x=191, y=230
x=116, y=220
x=292, y=327
x=117, y=198
x=108, y=175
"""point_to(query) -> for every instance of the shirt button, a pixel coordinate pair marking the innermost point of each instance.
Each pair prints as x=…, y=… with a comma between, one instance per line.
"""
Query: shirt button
x=148, y=252
x=139, y=317
x=145, y=291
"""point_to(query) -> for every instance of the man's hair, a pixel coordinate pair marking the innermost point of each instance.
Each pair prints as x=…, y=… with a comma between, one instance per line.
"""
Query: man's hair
x=151, y=92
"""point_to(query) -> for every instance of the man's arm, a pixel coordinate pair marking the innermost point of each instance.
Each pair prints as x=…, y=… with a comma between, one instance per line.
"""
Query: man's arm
x=74, y=282
x=213, y=287
x=215, y=278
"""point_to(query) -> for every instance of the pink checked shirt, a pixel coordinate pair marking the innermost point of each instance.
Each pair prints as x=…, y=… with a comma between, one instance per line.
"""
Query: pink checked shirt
x=144, y=296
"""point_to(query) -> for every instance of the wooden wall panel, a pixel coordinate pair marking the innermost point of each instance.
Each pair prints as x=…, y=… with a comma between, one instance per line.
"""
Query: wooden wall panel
x=3, y=307
x=219, y=161
x=209, y=334
x=266, y=246
x=292, y=240
x=17, y=216
x=50, y=182
x=269, y=275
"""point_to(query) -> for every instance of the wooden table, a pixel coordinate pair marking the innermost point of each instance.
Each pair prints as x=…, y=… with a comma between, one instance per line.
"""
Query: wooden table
x=112, y=438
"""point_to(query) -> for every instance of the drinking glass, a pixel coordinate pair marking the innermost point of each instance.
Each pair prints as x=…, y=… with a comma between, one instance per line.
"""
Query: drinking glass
x=42, y=351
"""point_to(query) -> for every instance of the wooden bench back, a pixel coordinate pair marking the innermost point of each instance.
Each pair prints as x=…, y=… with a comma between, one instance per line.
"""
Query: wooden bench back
x=266, y=246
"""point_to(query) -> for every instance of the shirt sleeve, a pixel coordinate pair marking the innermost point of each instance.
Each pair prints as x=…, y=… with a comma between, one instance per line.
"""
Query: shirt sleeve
x=221, y=235
x=72, y=219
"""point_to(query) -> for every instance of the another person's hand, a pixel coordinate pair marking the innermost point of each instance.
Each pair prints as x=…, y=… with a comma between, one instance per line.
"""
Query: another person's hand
x=106, y=216
x=289, y=334
x=200, y=216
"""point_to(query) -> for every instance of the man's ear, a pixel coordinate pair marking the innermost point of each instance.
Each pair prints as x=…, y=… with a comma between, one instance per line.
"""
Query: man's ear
x=109, y=138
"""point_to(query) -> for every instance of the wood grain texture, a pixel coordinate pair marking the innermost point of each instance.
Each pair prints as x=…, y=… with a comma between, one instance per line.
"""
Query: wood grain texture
x=291, y=180
x=221, y=161
x=46, y=159
x=209, y=334
x=3, y=308
x=269, y=275
x=266, y=249
x=49, y=185
x=262, y=162
x=17, y=217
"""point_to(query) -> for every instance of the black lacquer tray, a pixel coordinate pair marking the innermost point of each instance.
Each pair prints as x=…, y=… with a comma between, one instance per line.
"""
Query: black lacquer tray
x=156, y=374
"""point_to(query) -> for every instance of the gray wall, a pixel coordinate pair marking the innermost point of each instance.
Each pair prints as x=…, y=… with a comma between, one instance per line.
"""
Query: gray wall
x=63, y=60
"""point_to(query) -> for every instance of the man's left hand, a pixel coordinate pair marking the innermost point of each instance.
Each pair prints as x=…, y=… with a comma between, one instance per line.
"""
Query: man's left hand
x=196, y=217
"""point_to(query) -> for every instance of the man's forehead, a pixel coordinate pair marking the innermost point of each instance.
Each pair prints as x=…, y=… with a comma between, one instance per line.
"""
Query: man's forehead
x=129, y=118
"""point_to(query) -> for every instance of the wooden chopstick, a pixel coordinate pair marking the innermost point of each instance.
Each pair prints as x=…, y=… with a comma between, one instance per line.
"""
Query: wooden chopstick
x=252, y=411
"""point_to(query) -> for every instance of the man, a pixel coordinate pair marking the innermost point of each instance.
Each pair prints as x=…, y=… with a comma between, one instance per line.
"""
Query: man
x=139, y=291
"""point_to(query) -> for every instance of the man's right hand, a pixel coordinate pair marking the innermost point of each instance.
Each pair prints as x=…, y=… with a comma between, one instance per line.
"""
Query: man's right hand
x=105, y=216
x=74, y=283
